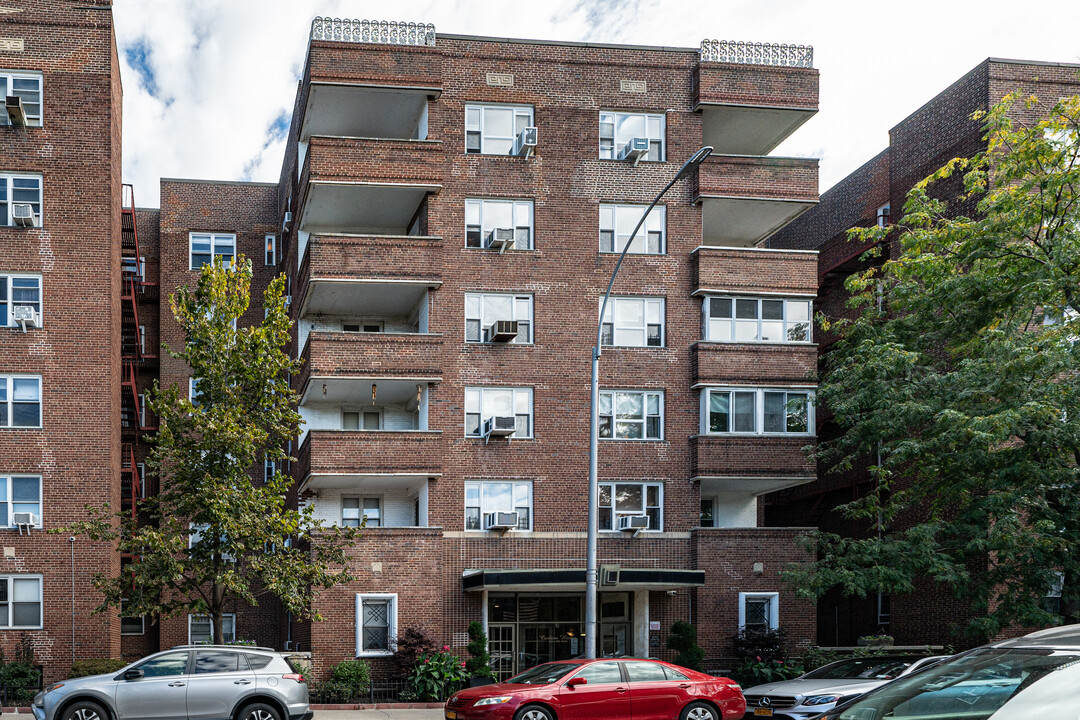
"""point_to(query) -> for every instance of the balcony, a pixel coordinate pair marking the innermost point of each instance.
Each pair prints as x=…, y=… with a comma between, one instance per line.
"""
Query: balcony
x=345, y=459
x=334, y=356
x=755, y=271
x=754, y=363
x=752, y=465
x=745, y=199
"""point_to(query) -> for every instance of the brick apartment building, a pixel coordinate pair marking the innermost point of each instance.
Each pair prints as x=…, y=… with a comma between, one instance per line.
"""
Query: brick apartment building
x=939, y=131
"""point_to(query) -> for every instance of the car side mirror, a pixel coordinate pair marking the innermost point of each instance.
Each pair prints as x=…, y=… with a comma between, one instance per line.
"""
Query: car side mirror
x=574, y=682
x=133, y=674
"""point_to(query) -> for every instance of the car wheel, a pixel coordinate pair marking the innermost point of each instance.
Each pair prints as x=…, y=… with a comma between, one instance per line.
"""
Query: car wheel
x=260, y=711
x=698, y=711
x=84, y=710
x=534, y=712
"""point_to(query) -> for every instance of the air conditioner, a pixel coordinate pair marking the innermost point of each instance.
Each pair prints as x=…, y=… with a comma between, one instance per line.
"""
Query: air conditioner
x=15, y=112
x=24, y=518
x=609, y=575
x=525, y=143
x=26, y=315
x=286, y=221
x=499, y=426
x=500, y=238
x=23, y=214
x=635, y=149
x=634, y=523
x=500, y=521
x=501, y=331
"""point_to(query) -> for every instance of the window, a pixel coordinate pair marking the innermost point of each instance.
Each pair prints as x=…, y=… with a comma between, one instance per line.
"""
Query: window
x=883, y=215
x=131, y=625
x=201, y=629
x=26, y=86
x=271, y=250
x=193, y=391
x=168, y=665
x=482, y=217
x=354, y=510
x=20, y=401
x=482, y=404
x=622, y=499
x=617, y=129
x=206, y=247
x=269, y=469
x=488, y=496
x=482, y=310
x=633, y=322
x=218, y=661
x=492, y=129
x=884, y=608
x=708, y=513
x=601, y=673
x=618, y=221
x=759, y=610
x=757, y=320
x=646, y=672
x=142, y=339
x=759, y=411
x=635, y=415
x=376, y=623
x=1052, y=599
x=197, y=530
x=368, y=326
x=19, y=494
x=18, y=290
x=19, y=189
x=20, y=601
x=361, y=420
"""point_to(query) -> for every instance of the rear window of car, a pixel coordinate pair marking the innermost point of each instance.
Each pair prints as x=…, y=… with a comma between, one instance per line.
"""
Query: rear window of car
x=645, y=672
x=258, y=662
x=673, y=674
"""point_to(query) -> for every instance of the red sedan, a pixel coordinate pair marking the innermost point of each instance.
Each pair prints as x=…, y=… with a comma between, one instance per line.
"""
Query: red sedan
x=602, y=690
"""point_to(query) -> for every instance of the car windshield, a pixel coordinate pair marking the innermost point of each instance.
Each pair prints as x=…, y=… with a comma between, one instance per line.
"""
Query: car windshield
x=870, y=668
x=974, y=686
x=544, y=674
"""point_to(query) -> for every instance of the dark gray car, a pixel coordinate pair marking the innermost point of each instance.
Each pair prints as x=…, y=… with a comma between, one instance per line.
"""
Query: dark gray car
x=204, y=682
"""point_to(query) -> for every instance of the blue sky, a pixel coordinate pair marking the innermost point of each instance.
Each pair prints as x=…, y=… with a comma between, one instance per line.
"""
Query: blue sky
x=209, y=84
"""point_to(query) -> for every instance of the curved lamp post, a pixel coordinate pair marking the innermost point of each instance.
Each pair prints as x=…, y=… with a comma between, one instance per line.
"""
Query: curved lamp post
x=591, y=625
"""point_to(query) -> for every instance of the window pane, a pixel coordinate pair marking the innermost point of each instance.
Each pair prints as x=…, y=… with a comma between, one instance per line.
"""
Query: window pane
x=720, y=307
x=25, y=414
x=350, y=421
x=498, y=121
x=798, y=332
x=629, y=430
x=498, y=497
x=774, y=412
x=602, y=672
x=175, y=663
x=26, y=389
x=772, y=309
x=772, y=331
x=798, y=310
x=472, y=494
x=719, y=412
x=472, y=518
x=210, y=661
x=798, y=417
x=719, y=330
x=645, y=672
x=746, y=309
x=629, y=405
x=652, y=495
x=25, y=489
x=604, y=496
x=628, y=498
x=743, y=419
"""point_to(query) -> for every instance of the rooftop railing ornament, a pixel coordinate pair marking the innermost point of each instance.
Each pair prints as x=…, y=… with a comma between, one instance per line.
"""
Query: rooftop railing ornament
x=751, y=53
x=385, y=32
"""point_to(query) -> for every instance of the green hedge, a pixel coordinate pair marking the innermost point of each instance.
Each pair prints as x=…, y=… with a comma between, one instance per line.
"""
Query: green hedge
x=96, y=666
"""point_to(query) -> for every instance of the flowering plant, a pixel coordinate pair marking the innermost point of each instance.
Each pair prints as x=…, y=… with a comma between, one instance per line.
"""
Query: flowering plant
x=437, y=674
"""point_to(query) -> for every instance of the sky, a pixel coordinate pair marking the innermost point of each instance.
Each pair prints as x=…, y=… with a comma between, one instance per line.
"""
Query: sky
x=209, y=84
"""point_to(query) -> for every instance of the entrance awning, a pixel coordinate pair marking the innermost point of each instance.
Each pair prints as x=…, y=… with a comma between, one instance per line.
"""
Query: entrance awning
x=574, y=580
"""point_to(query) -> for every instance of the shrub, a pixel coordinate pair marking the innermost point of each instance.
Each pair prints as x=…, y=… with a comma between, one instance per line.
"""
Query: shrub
x=411, y=644
x=21, y=676
x=479, y=665
x=764, y=644
x=683, y=639
x=814, y=657
x=749, y=672
x=437, y=674
x=96, y=666
x=351, y=675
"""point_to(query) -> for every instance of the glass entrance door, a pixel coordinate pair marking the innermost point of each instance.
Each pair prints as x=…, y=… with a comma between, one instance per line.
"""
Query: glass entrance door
x=501, y=649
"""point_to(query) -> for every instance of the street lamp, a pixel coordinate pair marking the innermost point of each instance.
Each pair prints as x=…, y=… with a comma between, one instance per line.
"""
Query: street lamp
x=594, y=420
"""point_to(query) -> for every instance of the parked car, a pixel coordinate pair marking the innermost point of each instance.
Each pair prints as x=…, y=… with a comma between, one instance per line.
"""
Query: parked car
x=602, y=689
x=203, y=682
x=821, y=689
x=1029, y=678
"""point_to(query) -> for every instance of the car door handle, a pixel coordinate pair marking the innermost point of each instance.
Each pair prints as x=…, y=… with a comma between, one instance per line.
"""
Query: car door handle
x=684, y=685
x=620, y=690
x=177, y=684
x=241, y=682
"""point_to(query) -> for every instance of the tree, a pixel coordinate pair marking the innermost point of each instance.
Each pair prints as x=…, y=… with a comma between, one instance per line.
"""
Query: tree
x=683, y=639
x=479, y=663
x=212, y=536
x=957, y=377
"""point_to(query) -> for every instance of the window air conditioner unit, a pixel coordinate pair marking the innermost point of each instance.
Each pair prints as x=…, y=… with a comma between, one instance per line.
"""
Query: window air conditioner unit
x=24, y=519
x=501, y=331
x=634, y=523
x=26, y=315
x=500, y=238
x=609, y=575
x=635, y=149
x=499, y=426
x=525, y=143
x=500, y=521
x=15, y=112
x=23, y=214
x=286, y=221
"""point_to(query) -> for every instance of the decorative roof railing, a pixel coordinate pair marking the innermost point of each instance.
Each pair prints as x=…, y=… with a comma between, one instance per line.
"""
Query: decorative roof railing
x=751, y=53
x=372, y=31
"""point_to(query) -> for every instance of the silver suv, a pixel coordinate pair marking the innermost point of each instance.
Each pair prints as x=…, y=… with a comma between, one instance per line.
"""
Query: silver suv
x=202, y=682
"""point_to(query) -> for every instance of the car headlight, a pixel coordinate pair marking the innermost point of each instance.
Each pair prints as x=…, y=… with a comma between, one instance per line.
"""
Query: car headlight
x=821, y=699
x=494, y=700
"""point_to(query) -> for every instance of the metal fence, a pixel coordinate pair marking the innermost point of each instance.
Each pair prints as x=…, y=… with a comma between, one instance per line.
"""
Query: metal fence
x=19, y=695
x=373, y=31
x=380, y=691
x=752, y=53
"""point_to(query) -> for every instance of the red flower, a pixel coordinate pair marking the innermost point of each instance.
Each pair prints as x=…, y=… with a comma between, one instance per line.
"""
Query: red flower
x=446, y=648
x=758, y=658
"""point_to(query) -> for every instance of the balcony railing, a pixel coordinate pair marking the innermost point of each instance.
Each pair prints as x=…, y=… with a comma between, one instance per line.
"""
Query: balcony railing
x=751, y=53
x=381, y=32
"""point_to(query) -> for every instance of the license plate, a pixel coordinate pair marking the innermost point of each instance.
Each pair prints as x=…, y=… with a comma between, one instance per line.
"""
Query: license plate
x=451, y=715
x=762, y=712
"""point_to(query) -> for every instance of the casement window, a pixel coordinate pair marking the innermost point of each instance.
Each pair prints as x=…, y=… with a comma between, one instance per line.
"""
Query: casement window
x=708, y=513
x=376, y=623
x=488, y=222
x=489, y=496
x=619, y=128
x=618, y=221
x=131, y=625
x=19, y=494
x=201, y=629
x=355, y=510
x=18, y=290
x=368, y=326
x=207, y=247
x=193, y=391
x=618, y=500
x=142, y=410
x=361, y=420
x=492, y=129
x=15, y=189
x=271, y=250
x=631, y=415
x=20, y=601
x=20, y=401
x=26, y=86
x=483, y=404
x=759, y=610
x=269, y=469
x=742, y=319
x=633, y=322
x=883, y=215
x=884, y=608
x=482, y=310
x=758, y=411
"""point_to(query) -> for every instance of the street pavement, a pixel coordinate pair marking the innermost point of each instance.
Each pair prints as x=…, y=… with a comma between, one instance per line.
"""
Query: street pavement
x=388, y=714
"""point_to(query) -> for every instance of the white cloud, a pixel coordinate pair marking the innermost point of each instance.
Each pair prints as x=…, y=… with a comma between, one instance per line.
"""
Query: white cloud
x=224, y=70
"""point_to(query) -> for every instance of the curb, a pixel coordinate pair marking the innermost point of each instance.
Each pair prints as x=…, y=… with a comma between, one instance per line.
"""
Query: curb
x=25, y=710
x=377, y=706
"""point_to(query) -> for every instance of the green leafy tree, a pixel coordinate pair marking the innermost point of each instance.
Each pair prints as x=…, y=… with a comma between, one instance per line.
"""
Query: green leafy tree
x=212, y=536
x=479, y=663
x=683, y=639
x=957, y=377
